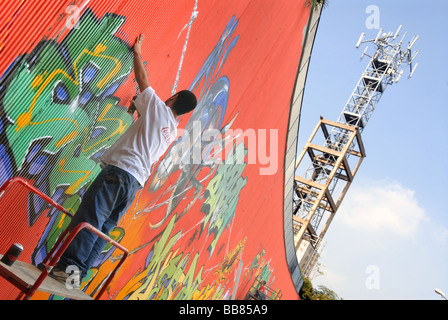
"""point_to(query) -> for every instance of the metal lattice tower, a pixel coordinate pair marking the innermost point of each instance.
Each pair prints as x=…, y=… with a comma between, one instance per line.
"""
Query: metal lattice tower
x=328, y=167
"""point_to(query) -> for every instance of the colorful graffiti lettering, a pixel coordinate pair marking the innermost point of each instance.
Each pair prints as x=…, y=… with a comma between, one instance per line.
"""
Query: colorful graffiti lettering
x=164, y=276
x=170, y=272
x=221, y=198
x=220, y=194
x=59, y=114
x=209, y=113
x=61, y=108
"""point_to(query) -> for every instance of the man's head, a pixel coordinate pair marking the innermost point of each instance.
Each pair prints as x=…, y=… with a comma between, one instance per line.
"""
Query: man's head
x=182, y=102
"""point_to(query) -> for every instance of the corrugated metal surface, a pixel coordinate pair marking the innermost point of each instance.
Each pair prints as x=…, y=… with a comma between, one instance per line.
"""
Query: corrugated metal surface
x=66, y=81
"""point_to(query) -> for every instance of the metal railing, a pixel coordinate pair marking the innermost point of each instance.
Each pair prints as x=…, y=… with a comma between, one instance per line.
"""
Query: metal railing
x=267, y=294
x=62, y=243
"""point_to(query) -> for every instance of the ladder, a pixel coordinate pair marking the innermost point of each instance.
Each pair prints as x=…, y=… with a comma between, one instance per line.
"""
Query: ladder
x=29, y=279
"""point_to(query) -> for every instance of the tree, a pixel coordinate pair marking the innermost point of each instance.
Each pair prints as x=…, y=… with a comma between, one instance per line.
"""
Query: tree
x=315, y=3
x=307, y=292
x=325, y=293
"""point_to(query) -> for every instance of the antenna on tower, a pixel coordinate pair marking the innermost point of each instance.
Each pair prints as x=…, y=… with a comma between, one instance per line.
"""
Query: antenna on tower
x=398, y=31
x=360, y=39
x=364, y=53
x=412, y=42
x=378, y=36
x=413, y=70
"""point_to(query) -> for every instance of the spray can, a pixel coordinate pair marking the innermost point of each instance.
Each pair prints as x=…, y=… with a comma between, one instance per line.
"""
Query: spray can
x=12, y=254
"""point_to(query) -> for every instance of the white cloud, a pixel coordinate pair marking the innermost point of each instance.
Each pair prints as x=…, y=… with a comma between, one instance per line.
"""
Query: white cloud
x=382, y=224
x=382, y=207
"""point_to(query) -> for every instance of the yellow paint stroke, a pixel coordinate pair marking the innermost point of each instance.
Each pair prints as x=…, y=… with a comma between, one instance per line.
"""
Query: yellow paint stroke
x=67, y=138
x=3, y=38
x=61, y=221
x=37, y=81
x=25, y=118
x=74, y=134
x=84, y=173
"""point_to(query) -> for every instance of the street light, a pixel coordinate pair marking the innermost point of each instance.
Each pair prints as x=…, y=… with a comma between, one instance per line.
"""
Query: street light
x=438, y=291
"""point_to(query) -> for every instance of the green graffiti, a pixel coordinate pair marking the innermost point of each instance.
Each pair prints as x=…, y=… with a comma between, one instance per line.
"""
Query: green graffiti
x=165, y=276
x=221, y=196
x=62, y=114
x=65, y=91
x=61, y=222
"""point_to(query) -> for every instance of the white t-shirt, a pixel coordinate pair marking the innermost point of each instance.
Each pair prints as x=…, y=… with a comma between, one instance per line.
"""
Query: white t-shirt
x=141, y=146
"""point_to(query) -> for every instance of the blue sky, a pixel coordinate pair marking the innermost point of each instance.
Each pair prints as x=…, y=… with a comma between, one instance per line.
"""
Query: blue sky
x=389, y=239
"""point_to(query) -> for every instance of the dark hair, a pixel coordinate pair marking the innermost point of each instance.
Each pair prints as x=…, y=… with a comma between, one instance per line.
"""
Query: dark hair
x=186, y=101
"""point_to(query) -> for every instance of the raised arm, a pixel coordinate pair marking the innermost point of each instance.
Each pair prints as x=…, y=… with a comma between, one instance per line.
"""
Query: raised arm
x=139, y=68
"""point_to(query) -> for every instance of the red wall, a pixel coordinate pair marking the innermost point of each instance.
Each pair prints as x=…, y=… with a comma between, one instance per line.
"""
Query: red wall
x=199, y=231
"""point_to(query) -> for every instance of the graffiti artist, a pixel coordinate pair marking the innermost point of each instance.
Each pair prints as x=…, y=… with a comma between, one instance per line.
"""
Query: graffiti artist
x=126, y=166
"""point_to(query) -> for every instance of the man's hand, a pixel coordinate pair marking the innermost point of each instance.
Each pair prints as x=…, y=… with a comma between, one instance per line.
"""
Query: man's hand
x=138, y=44
x=139, y=68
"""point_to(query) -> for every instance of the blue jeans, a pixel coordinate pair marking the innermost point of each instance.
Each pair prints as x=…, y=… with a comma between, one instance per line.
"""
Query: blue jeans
x=106, y=200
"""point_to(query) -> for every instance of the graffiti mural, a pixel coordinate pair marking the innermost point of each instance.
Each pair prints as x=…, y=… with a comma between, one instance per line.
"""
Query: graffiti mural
x=69, y=105
x=169, y=272
x=208, y=222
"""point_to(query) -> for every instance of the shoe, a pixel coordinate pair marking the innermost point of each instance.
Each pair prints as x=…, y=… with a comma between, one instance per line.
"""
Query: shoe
x=55, y=273
x=60, y=275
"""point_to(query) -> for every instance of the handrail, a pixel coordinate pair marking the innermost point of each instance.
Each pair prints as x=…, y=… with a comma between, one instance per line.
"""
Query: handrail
x=34, y=190
x=61, y=245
